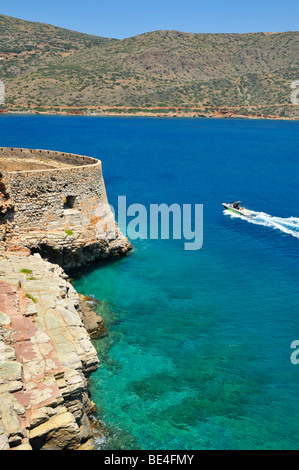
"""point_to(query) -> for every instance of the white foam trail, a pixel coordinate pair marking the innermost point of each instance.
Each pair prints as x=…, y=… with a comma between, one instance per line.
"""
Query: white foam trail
x=288, y=225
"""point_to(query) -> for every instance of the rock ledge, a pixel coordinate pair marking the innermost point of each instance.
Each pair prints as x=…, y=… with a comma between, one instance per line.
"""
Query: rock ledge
x=46, y=357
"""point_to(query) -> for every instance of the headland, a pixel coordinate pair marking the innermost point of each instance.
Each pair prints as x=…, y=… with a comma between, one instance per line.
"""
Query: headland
x=54, y=217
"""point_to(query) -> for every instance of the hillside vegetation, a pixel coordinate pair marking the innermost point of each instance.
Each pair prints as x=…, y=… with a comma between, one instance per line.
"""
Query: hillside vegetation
x=49, y=68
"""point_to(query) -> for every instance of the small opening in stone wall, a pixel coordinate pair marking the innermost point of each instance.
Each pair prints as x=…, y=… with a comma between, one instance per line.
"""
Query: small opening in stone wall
x=69, y=202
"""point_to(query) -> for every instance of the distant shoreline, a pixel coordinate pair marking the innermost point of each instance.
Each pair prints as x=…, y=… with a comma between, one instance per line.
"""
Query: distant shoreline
x=142, y=113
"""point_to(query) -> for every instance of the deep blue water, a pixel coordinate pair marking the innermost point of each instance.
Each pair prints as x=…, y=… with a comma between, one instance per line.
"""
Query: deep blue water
x=198, y=352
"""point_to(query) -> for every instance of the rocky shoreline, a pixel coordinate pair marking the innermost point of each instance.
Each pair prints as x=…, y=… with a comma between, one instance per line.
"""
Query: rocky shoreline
x=46, y=357
x=54, y=217
x=249, y=112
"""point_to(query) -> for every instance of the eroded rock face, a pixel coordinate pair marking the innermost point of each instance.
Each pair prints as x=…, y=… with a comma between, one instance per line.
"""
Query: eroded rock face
x=46, y=357
x=93, y=322
x=71, y=250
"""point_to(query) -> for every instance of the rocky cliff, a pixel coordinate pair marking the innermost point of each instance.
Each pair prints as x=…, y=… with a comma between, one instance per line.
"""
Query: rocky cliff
x=46, y=357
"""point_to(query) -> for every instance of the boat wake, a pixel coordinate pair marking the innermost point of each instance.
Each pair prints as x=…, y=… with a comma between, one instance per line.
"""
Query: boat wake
x=288, y=225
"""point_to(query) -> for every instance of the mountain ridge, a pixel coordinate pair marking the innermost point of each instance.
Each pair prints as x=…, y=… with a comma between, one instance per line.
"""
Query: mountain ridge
x=49, y=67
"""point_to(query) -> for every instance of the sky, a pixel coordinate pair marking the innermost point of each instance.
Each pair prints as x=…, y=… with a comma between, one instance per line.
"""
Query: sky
x=126, y=18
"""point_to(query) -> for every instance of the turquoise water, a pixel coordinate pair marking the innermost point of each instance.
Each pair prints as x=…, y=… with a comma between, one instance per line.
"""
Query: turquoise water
x=198, y=351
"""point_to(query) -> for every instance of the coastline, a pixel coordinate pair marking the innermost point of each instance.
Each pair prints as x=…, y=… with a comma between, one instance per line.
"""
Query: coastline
x=52, y=220
x=169, y=112
x=47, y=357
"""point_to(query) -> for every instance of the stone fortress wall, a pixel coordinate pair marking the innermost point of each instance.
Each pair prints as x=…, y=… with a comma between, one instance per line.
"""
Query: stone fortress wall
x=62, y=196
x=56, y=203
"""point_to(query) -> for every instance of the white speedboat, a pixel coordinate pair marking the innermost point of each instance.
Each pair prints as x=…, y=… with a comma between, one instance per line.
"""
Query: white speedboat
x=235, y=207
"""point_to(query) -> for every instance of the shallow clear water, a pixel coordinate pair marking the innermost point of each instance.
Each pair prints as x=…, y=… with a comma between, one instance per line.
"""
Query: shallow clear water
x=198, y=352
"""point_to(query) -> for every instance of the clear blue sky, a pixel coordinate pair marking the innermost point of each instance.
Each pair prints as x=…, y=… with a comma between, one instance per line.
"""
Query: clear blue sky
x=125, y=18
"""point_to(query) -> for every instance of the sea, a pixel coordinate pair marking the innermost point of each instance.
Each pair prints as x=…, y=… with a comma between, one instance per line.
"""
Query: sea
x=201, y=350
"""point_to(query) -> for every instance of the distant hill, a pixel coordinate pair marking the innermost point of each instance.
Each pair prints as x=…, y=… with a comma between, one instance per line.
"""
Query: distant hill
x=49, y=68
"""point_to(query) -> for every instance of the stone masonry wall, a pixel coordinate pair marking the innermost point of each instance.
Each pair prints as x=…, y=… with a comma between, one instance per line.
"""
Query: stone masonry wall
x=62, y=211
x=62, y=157
x=38, y=196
